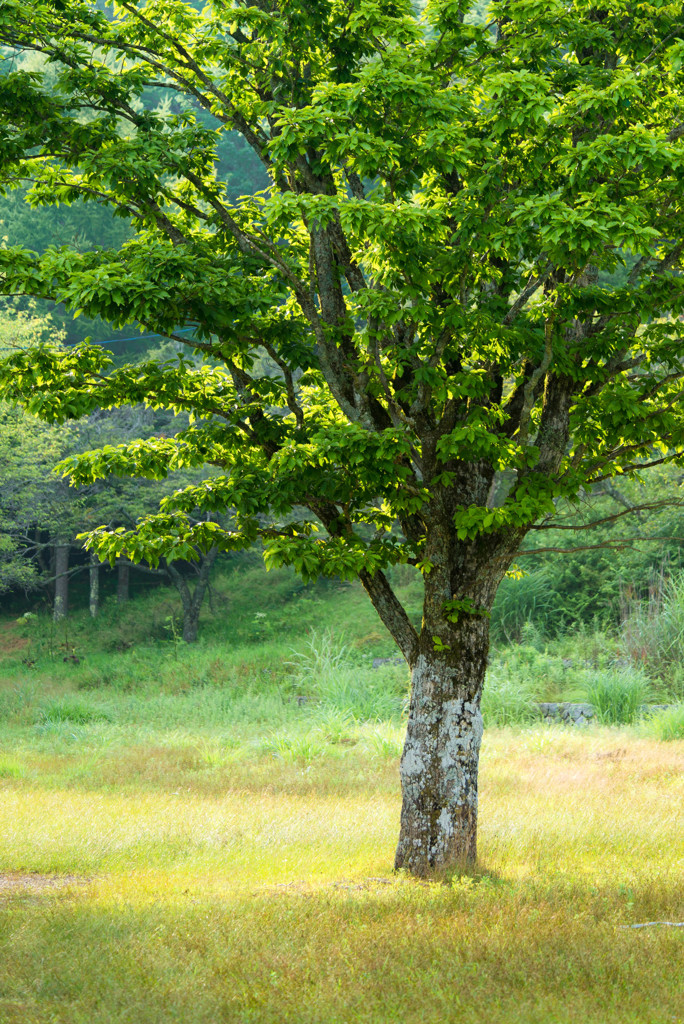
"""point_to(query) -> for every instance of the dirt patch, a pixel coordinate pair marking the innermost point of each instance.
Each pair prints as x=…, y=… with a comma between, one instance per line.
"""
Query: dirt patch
x=12, y=641
x=12, y=883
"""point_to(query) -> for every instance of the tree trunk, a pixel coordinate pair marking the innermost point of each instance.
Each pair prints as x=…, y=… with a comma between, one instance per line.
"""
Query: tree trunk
x=192, y=600
x=448, y=661
x=123, y=579
x=94, y=603
x=439, y=764
x=190, y=624
x=61, y=602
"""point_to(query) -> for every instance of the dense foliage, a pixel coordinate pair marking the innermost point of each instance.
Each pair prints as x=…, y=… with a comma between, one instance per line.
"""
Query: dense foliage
x=489, y=162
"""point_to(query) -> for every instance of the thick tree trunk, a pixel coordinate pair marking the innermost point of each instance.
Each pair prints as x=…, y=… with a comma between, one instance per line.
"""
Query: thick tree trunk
x=122, y=582
x=439, y=765
x=61, y=602
x=448, y=661
x=94, y=602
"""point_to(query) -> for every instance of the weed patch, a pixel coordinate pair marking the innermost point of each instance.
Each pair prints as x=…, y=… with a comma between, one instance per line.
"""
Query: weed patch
x=71, y=710
x=666, y=725
x=618, y=696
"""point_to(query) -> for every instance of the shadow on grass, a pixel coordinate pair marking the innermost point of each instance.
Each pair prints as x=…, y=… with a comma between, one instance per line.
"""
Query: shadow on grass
x=372, y=953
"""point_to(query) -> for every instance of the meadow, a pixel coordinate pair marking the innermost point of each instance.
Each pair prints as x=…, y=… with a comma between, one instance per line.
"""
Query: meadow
x=205, y=834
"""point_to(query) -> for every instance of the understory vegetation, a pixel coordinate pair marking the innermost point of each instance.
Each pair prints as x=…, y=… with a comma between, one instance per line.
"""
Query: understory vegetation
x=268, y=638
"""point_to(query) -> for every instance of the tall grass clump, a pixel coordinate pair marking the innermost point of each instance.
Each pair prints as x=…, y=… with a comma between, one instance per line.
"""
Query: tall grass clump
x=618, y=696
x=521, y=602
x=653, y=630
x=325, y=669
x=17, y=702
x=509, y=698
x=666, y=725
x=72, y=710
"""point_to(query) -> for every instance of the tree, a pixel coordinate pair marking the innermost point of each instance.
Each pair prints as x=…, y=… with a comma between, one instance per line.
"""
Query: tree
x=431, y=274
x=86, y=225
x=41, y=516
x=192, y=598
x=34, y=504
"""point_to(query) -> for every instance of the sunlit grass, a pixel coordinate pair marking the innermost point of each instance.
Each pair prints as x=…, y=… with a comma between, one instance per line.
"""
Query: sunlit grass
x=223, y=822
x=226, y=878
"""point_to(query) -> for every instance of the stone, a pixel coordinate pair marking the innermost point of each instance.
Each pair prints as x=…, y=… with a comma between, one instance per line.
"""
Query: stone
x=653, y=709
x=577, y=710
x=566, y=712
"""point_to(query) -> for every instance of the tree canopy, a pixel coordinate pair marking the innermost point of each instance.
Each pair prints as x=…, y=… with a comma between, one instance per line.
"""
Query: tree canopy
x=465, y=268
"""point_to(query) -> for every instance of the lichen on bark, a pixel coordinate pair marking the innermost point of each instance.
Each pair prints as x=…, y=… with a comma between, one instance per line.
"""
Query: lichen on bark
x=439, y=768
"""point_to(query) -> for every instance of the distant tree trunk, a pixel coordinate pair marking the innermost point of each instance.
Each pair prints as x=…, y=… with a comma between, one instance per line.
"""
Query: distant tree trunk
x=61, y=602
x=190, y=624
x=51, y=569
x=192, y=600
x=41, y=549
x=123, y=579
x=94, y=603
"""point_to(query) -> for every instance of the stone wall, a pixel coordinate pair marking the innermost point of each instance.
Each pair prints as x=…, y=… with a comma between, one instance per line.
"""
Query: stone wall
x=583, y=714
x=571, y=714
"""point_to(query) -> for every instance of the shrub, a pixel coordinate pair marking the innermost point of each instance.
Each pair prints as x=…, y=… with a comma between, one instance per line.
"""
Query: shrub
x=618, y=696
x=540, y=674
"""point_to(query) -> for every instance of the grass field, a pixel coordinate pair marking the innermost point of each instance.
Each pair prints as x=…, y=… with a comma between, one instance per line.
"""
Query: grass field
x=206, y=836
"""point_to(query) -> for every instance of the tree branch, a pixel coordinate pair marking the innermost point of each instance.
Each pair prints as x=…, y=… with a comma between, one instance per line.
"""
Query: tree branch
x=647, y=506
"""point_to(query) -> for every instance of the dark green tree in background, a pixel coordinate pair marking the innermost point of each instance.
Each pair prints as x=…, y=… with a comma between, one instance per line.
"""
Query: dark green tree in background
x=41, y=516
x=426, y=299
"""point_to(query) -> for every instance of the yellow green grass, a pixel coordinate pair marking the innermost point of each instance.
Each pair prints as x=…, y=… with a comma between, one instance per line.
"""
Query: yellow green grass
x=213, y=881
x=205, y=836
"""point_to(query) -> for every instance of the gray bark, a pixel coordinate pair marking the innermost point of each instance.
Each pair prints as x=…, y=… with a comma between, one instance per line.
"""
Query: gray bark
x=438, y=769
x=192, y=600
x=190, y=625
x=94, y=572
x=61, y=602
x=123, y=579
x=439, y=764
